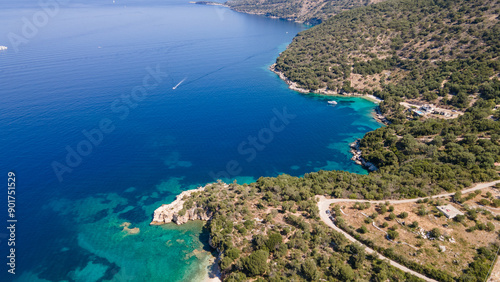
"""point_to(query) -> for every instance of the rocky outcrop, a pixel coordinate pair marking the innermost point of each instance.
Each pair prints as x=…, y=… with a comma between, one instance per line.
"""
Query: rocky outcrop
x=358, y=159
x=175, y=212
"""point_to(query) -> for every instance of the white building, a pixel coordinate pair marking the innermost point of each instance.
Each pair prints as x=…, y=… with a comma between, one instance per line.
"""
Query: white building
x=449, y=211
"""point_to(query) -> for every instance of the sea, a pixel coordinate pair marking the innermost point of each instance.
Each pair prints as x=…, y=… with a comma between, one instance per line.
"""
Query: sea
x=109, y=109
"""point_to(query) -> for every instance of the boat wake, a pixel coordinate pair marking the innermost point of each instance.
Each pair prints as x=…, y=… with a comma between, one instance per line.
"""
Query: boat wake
x=179, y=83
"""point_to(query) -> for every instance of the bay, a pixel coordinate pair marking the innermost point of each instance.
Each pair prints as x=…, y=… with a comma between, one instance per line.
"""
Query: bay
x=96, y=65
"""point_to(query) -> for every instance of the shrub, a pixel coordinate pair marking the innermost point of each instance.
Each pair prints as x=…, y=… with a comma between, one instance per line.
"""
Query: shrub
x=233, y=253
x=392, y=234
x=382, y=210
x=435, y=233
x=484, y=202
x=472, y=214
x=273, y=241
x=256, y=262
x=363, y=229
x=422, y=210
x=459, y=218
x=495, y=203
x=310, y=270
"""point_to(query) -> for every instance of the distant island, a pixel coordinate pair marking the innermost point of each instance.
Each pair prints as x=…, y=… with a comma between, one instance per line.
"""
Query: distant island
x=435, y=65
x=209, y=3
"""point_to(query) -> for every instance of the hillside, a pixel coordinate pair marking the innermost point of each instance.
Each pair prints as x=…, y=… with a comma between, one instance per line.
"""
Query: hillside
x=441, y=51
x=313, y=11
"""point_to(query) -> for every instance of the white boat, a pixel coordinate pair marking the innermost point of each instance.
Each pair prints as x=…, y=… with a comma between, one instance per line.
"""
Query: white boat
x=3, y=48
x=332, y=102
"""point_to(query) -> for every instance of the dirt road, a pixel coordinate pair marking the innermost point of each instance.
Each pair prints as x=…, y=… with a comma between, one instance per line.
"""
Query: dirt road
x=324, y=205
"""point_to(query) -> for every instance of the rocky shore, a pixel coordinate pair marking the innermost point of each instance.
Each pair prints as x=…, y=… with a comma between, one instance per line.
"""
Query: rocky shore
x=294, y=86
x=358, y=159
x=378, y=116
x=175, y=212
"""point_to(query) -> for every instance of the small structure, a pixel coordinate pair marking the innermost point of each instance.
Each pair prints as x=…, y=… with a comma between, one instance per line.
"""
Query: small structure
x=449, y=211
x=427, y=108
x=417, y=112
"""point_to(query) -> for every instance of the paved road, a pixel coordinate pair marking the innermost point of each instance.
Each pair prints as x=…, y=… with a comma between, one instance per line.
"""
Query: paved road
x=324, y=205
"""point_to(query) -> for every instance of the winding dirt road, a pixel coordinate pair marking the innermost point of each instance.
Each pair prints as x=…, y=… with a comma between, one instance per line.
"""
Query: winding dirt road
x=324, y=205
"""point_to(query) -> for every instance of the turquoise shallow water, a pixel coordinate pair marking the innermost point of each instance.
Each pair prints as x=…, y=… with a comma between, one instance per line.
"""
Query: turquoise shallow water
x=85, y=67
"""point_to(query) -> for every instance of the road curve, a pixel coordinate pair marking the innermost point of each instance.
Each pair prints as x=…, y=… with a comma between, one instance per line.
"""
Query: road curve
x=324, y=205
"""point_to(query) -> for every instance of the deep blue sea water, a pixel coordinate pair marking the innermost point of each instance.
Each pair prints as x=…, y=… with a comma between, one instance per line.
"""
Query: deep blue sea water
x=94, y=66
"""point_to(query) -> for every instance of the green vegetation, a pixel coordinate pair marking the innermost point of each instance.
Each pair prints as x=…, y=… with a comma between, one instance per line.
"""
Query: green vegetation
x=444, y=52
x=402, y=49
x=292, y=245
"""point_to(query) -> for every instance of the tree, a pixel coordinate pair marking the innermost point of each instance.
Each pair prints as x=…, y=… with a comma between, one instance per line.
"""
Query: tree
x=459, y=218
x=256, y=262
x=435, y=233
x=310, y=270
x=438, y=141
x=233, y=253
x=392, y=216
x=392, y=234
x=421, y=210
x=409, y=143
x=472, y=214
x=357, y=255
x=382, y=209
x=346, y=273
x=484, y=202
x=363, y=229
x=403, y=215
x=273, y=241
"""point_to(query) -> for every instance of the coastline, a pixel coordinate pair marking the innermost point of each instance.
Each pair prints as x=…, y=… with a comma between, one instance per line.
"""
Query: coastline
x=211, y=3
x=358, y=159
x=172, y=213
x=377, y=115
x=294, y=86
x=175, y=212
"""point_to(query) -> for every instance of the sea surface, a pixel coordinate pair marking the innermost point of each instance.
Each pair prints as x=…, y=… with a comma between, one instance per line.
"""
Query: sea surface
x=109, y=110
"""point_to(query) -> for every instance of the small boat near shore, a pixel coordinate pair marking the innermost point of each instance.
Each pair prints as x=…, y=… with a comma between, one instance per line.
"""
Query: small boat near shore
x=332, y=102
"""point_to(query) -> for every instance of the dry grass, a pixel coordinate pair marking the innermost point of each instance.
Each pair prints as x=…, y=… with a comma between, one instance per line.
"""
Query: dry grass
x=454, y=259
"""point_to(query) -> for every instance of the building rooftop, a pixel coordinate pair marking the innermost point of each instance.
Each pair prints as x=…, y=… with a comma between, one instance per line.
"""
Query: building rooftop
x=449, y=211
